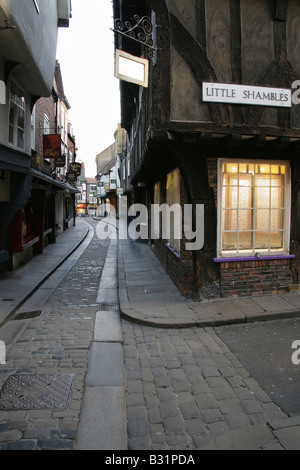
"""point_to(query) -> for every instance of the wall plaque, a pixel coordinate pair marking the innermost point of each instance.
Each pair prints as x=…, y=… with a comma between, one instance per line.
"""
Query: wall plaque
x=246, y=95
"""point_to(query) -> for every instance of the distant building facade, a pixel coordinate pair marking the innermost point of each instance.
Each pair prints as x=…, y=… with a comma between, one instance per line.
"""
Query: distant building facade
x=110, y=172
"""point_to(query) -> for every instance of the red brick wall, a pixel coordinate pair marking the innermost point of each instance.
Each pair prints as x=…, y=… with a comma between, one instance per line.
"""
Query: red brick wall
x=43, y=106
x=245, y=278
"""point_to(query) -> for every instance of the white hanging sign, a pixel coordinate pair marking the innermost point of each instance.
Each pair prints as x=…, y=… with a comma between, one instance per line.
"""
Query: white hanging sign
x=131, y=68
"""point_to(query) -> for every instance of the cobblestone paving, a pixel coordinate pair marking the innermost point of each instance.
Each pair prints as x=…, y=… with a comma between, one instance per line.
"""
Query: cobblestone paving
x=184, y=388
x=56, y=342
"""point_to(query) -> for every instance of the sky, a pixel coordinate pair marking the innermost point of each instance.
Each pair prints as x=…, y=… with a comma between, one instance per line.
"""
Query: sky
x=86, y=54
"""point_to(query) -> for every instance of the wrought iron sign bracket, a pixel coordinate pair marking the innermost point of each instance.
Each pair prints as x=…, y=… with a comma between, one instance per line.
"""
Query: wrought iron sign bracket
x=141, y=32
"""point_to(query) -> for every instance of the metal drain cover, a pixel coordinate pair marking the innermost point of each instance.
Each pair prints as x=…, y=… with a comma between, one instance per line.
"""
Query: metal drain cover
x=26, y=315
x=156, y=290
x=36, y=392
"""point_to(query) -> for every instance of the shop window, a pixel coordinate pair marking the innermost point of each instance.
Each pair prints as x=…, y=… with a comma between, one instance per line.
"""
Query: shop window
x=254, y=209
x=173, y=197
x=16, y=116
x=22, y=234
x=46, y=124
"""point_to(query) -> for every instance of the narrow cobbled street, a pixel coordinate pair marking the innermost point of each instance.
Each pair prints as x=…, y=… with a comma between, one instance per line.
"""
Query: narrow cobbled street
x=181, y=389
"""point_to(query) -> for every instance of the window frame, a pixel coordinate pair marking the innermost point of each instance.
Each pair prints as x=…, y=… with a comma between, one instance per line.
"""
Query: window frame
x=253, y=252
x=46, y=124
x=17, y=105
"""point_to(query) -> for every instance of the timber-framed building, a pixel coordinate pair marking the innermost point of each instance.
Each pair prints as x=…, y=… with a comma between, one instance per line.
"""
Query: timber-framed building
x=192, y=144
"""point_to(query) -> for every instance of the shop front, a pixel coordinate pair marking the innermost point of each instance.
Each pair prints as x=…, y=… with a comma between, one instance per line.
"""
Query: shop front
x=14, y=190
x=249, y=188
x=47, y=212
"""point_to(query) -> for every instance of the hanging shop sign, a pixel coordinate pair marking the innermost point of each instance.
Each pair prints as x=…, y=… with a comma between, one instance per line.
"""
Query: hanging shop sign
x=247, y=95
x=71, y=177
x=60, y=162
x=52, y=145
x=75, y=167
x=131, y=68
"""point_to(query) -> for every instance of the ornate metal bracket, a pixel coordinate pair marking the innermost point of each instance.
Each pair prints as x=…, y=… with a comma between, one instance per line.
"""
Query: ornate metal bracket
x=140, y=32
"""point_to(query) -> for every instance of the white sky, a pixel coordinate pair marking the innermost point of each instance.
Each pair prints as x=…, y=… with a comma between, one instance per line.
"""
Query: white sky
x=86, y=55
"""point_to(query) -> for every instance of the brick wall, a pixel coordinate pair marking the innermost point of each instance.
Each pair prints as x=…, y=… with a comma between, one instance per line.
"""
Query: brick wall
x=245, y=278
x=43, y=106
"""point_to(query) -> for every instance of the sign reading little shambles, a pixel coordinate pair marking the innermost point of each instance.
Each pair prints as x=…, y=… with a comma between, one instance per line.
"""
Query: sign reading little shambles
x=244, y=94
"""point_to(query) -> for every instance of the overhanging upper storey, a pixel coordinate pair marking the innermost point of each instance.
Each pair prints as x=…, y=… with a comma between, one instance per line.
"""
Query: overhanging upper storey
x=235, y=46
x=29, y=48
